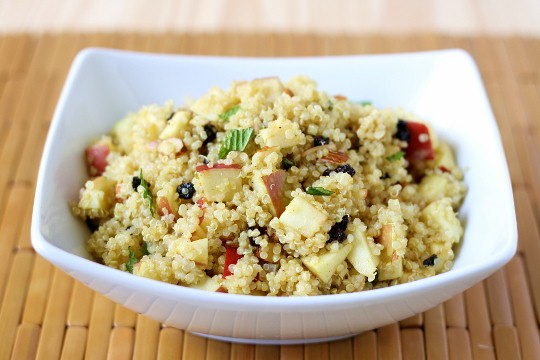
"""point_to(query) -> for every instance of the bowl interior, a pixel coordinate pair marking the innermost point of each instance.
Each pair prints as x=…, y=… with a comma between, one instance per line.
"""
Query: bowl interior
x=442, y=87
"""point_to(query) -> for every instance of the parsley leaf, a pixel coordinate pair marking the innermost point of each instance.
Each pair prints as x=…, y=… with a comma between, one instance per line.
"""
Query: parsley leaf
x=144, y=249
x=362, y=102
x=227, y=114
x=315, y=190
x=235, y=140
x=395, y=157
x=330, y=105
x=286, y=164
x=147, y=194
x=132, y=260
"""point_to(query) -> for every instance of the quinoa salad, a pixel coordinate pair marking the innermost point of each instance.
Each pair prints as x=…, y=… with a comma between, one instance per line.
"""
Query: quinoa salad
x=271, y=188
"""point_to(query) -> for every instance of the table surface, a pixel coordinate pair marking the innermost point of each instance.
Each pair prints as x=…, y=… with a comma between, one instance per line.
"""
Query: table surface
x=472, y=17
x=46, y=314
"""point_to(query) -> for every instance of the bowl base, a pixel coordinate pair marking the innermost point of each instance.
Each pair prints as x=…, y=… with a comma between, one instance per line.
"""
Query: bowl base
x=272, y=341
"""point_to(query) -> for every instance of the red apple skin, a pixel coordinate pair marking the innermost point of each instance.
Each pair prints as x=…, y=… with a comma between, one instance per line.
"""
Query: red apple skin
x=205, y=167
x=418, y=150
x=231, y=257
x=96, y=159
x=163, y=203
x=275, y=185
x=201, y=203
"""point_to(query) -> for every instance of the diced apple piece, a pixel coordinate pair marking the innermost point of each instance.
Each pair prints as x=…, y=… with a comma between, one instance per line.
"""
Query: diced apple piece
x=303, y=217
x=420, y=147
x=273, y=185
x=440, y=215
x=96, y=158
x=444, y=157
x=268, y=252
x=283, y=133
x=231, y=258
x=386, y=239
x=391, y=269
x=199, y=250
x=325, y=265
x=361, y=257
x=220, y=182
x=122, y=133
x=391, y=265
x=432, y=187
x=168, y=201
x=176, y=125
x=99, y=194
x=198, y=234
x=207, y=283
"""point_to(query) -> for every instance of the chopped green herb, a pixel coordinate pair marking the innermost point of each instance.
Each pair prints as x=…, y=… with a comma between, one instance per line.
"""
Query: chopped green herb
x=147, y=194
x=395, y=157
x=286, y=164
x=144, y=249
x=132, y=260
x=227, y=114
x=315, y=190
x=330, y=105
x=235, y=140
x=362, y=102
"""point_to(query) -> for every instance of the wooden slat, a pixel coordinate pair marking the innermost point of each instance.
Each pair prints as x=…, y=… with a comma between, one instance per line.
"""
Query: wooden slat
x=38, y=290
x=99, y=328
x=317, y=351
x=219, y=350
x=459, y=344
x=13, y=301
x=147, y=338
x=365, y=346
x=124, y=317
x=171, y=342
x=9, y=230
x=413, y=321
x=454, y=310
x=26, y=342
x=80, y=305
x=341, y=349
x=435, y=333
x=54, y=322
x=194, y=347
x=500, y=309
x=266, y=352
x=242, y=351
x=506, y=342
x=389, y=342
x=291, y=352
x=121, y=344
x=523, y=310
x=412, y=341
x=74, y=343
x=479, y=324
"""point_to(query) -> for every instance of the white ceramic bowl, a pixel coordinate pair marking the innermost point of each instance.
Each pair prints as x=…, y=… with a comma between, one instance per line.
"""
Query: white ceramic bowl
x=443, y=87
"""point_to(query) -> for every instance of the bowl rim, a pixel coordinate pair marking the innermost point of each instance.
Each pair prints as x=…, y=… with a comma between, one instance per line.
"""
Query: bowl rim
x=266, y=303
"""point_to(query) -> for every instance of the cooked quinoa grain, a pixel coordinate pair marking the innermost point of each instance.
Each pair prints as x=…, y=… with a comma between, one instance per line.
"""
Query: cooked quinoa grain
x=272, y=189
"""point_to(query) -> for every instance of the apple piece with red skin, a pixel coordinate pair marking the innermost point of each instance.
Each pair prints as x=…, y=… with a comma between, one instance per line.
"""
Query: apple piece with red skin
x=163, y=204
x=231, y=258
x=420, y=147
x=201, y=203
x=220, y=181
x=274, y=186
x=96, y=158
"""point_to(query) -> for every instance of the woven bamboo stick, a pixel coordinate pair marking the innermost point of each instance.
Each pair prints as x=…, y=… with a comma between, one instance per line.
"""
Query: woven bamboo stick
x=171, y=342
x=365, y=346
x=74, y=343
x=412, y=341
x=146, y=338
x=121, y=343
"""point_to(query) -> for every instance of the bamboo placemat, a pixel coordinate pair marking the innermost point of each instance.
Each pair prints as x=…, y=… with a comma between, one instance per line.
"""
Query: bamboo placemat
x=46, y=314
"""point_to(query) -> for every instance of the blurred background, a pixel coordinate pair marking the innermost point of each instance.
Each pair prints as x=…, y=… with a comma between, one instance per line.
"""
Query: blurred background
x=457, y=17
